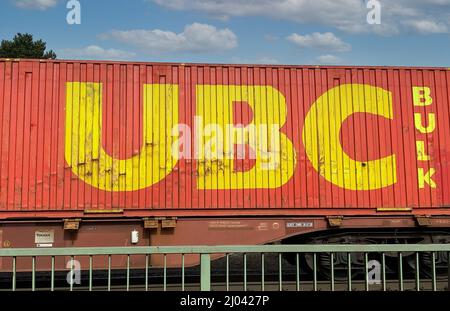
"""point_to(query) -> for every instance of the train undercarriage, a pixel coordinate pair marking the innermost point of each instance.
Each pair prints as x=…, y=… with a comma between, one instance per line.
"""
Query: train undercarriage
x=170, y=231
x=374, y=236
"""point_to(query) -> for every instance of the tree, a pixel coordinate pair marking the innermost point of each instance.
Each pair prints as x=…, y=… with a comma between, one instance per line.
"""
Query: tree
x=23, y=46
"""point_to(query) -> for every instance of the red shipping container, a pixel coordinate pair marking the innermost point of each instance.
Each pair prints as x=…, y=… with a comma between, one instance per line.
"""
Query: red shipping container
x=149, y=139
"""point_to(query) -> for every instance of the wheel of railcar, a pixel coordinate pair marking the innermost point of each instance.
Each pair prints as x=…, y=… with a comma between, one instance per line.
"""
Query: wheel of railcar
x=392, y=261
x=426, y=258
x=340, y=260
x=441, y=264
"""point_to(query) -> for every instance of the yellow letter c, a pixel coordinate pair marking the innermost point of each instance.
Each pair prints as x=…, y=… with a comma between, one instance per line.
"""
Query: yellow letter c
x=321, y=134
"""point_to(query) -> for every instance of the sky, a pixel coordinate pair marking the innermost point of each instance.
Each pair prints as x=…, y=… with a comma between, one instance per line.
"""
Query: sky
x=297, y=32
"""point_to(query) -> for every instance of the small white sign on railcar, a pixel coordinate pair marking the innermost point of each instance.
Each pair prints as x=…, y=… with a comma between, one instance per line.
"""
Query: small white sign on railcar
x=44, y=238
x=301, y=224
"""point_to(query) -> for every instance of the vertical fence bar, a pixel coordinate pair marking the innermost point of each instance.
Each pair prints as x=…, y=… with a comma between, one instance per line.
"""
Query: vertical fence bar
x=52, y=275
x=433, y=267
x=205, y=272
x=245, y=272
x=165, y=273
x=383, y=270
x=417, y=272
x=33, y=274
x=400, y=271
x=228, y=272
x=182, y=272
x=128, y=273
x=280, y=273
x=366, y=270
x=146, y=272
x=109, y=273
x=315, y=271
x=332, y=271
x=90, y=273
x=297, y=265
x=349, y=271
x=14, y=274
x=71, y=274
x=262, y=271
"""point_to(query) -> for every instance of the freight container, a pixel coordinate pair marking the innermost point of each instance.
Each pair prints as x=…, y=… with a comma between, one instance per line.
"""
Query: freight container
x=92, y=152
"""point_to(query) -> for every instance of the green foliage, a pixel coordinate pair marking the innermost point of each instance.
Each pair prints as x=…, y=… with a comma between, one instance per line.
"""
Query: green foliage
x=23, y=46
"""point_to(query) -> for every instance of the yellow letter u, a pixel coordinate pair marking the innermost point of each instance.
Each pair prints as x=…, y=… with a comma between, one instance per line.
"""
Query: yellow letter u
x=83, y=138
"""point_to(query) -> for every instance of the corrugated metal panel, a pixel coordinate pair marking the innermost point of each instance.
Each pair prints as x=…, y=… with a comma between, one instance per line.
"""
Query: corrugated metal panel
x=79, y=136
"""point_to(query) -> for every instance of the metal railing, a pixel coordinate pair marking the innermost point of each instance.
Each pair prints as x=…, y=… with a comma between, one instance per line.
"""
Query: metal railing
x=206, y=273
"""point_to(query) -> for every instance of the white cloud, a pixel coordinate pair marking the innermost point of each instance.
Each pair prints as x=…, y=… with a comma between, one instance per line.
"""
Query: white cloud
x=95, y=52
x=267, y=60
x=196, y=37
x=427, y=26
x=35, y=4
x=334, y=12
x=345, y=15
x=328, y=59
x=324, y=41
x=264, y=60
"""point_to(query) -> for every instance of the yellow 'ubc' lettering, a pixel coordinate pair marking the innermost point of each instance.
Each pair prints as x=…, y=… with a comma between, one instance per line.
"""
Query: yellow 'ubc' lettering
x=83, y=138
x=431, y=123
x=321, y=134
x=422, y=96
x=426, y=178
x=215, y=106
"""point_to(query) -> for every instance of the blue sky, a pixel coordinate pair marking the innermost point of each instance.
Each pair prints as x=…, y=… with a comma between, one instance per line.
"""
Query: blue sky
x=411, y=33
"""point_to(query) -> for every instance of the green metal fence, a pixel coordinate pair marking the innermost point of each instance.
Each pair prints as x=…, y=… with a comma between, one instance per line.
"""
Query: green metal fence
x=206, y=271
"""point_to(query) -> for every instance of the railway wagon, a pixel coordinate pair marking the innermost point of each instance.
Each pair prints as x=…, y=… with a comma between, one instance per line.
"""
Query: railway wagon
x=119, y=153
